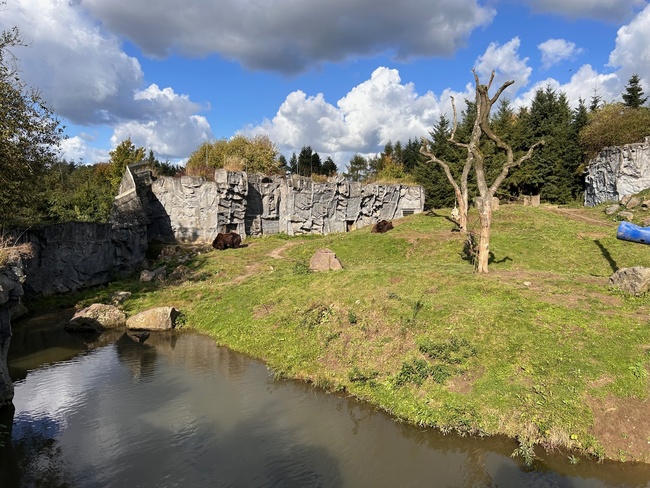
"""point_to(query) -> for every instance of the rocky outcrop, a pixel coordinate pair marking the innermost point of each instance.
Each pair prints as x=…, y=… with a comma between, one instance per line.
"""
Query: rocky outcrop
x=10, y=292
x=191, y=209
x=76, y=255
x=617, y=172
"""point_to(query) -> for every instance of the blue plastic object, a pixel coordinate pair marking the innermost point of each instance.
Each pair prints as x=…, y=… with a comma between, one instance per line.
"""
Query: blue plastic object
x=628, y=231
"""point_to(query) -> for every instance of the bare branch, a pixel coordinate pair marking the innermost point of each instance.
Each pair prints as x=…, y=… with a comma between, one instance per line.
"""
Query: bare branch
x=455, y=126
x=500, y=90
x=491, y=79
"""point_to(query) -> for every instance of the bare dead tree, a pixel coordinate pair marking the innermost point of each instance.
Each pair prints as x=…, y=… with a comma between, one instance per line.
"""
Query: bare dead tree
x=460, y=187
x=484, y=203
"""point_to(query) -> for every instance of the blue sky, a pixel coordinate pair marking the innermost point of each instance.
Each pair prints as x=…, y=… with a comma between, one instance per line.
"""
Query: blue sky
x=342, y=76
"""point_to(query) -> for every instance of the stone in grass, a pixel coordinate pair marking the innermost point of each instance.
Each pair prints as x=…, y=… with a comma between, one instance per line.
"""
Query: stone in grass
x=626, y=216
x=612, y=209
x=157, y=274
x=96, y=318
x=635, y=281
x=324, y=260
x=159, y=318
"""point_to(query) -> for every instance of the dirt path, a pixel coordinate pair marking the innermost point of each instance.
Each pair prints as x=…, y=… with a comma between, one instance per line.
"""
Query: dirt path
x=574, y=213
x=278, y=252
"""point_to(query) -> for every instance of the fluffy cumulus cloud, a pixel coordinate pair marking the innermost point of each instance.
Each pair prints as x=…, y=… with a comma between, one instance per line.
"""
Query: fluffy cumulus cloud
x=374, y=112
x=632, y=52
x=608, y=10
x=168, y=123
x=505, y=62
x=289, y=36
x=89, y=80
x=554, y=51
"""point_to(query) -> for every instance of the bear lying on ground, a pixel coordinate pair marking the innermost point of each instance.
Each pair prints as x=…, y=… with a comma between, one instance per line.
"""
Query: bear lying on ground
x=382, y=226
x=224, y=241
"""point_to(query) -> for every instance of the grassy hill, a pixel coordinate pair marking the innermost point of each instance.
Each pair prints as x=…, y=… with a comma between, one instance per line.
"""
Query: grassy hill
x=541, y=349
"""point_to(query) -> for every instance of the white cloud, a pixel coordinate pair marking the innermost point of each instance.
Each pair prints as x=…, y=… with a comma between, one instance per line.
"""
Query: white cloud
x=607, y=10
x=585, y=84
x=289, y=36
x=632, y=52
x=79, y=148
x=555, y=51
x=88, y=79
x=505, y=62
x=374, y=112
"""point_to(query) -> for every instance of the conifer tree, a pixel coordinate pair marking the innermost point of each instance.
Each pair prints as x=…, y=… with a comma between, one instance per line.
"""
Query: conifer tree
x=633, y=96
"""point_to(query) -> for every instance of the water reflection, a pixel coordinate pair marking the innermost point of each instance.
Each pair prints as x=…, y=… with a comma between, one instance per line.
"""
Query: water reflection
x=178, y=410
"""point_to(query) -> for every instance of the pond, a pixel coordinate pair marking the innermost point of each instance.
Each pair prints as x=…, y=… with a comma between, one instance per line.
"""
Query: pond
x=179, y=411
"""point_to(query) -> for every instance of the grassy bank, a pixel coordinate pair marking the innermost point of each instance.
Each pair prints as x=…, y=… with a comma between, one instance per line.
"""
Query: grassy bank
x=540, y=349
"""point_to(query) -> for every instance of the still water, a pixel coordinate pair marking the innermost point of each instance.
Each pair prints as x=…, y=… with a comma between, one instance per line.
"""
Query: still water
x=180, y=411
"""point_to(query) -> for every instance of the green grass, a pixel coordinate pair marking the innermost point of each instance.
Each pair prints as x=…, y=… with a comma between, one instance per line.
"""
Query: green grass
x=408, y=326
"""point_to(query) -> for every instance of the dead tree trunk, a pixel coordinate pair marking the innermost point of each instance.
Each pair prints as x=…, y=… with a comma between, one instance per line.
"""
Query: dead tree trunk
x=460, y=187
x=484, y=203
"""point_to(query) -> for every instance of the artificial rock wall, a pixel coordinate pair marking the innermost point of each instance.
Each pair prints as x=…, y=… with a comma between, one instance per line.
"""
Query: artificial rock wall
x=193, y=209
x=617, y=172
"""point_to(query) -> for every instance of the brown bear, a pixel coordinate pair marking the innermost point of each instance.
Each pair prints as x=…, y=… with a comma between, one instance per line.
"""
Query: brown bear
x=382, y=226
x=224, y=241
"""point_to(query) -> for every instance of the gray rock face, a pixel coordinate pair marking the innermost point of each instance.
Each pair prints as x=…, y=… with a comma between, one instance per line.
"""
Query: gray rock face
x=190, y=209
x=160, y=318
x=617, y=172
x=72, y=256
x=635, y=281
x=10, y=292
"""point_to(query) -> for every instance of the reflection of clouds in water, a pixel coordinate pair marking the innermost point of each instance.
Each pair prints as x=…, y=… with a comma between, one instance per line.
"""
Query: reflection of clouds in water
x=56, y=390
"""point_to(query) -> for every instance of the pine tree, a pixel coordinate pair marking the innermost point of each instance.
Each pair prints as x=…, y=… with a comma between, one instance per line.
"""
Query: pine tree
x=633, y=96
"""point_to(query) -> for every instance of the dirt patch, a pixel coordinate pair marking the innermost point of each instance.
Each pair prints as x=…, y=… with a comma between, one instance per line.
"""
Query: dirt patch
x=263, y=310
x=278, y=253
x=622, y=425
x=464, y=383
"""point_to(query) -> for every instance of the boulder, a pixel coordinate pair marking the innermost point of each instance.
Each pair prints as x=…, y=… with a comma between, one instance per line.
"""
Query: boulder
x=635, y=281
x=157, y=274
x=324, y=260
x=119, y=297
x=626, y=216
x=632, y=202
x=612, y=209
x=159, y=318
x=96, y=318
x=180, y=273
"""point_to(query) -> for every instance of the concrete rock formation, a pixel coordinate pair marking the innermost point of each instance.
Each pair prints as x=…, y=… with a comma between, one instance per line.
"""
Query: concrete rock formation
x=617, y=172
x=191, y=209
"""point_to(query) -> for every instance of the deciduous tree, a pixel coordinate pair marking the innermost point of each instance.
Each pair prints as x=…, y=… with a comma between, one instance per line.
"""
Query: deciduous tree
x=30, y=135
x=484, y=105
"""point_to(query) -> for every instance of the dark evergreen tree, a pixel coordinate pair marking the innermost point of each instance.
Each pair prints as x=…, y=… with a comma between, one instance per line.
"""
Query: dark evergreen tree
x=437, y=189
x=305, y=161
x=329, y=167
x=293, y=163
x=551, y=170
x=284, y=166
x=633, y=96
